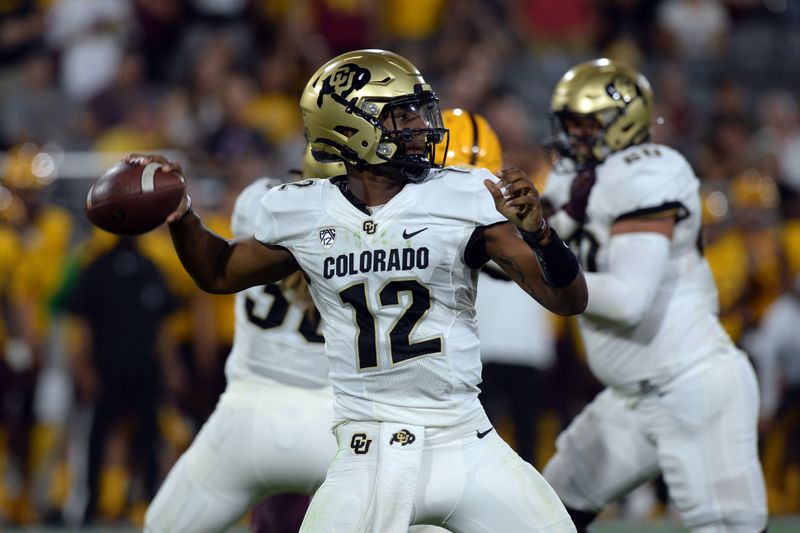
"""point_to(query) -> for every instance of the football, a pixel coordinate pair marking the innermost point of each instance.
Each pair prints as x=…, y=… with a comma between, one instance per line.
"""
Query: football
x=131, y=199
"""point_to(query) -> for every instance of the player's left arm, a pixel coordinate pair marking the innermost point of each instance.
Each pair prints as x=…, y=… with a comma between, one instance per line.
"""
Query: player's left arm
x=530, y=252
x=638, y=252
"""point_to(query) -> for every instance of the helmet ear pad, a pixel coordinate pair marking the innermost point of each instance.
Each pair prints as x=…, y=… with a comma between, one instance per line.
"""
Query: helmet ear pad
x=342, y=131
x=631, y=124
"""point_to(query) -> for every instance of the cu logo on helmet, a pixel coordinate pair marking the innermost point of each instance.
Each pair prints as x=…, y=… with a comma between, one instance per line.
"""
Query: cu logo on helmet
x=344, y=80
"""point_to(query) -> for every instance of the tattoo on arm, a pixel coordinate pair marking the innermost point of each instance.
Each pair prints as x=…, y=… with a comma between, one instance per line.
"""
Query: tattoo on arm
x=516, y=272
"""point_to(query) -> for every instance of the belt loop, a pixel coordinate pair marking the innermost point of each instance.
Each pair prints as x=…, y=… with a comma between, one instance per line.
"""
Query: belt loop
x=648, y=387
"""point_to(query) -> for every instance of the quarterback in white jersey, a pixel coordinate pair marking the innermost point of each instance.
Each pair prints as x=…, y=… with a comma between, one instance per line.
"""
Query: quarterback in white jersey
x=681, y=399
x=391, y=252
x=270, y=431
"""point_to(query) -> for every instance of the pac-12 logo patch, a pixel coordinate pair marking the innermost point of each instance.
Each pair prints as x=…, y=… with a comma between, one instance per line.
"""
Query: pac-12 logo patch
x=327, y=236
x=360, y=443
x=403, y=436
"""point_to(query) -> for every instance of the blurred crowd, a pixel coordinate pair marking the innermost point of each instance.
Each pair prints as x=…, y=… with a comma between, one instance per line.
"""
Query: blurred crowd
x=217, y=82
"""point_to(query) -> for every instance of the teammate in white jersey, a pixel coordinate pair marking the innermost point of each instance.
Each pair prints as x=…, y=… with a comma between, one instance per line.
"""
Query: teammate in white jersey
x=681, y=399
x=391, y=251
x=270, y=431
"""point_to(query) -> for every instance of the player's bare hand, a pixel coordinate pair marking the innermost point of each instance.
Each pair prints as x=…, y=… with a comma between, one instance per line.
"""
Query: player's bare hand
x=166, y=166
x=516, y=198
x=146, y=159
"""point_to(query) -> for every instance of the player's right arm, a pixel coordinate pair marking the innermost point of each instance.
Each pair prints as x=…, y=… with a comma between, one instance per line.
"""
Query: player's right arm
x=221, y=266
x=542, y=265
x=218, y=265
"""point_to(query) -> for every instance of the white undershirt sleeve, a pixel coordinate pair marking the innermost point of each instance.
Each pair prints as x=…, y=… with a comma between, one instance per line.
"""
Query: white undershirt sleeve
x=636, y=264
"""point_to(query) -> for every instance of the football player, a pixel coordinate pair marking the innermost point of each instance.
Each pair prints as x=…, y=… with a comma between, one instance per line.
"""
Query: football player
x=270, y=431
x=278, y=400
x=681, y=399
x=391, y=250
x=34, y=386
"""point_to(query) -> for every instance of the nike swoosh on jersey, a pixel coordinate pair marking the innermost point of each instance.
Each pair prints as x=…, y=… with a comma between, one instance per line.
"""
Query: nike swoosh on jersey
x=481, y=435
x=407, y=235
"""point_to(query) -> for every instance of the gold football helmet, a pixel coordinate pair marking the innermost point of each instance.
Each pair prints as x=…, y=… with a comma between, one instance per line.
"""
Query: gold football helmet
x=472, y=141
x=617, y=97
x=320, y=169
x=348, y=101
x=313, y=169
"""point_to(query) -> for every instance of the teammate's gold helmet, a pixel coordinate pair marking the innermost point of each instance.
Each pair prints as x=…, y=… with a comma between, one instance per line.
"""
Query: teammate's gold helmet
x=320, y=169
x=347, y=100
x=618, y=97
x=472, y=141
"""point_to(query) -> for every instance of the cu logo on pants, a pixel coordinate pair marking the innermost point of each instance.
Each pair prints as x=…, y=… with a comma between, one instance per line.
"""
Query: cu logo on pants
x=360, y=443
x=403, y=436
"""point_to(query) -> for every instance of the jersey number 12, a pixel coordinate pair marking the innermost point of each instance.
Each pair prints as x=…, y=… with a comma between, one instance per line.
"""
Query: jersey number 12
x=400, y=346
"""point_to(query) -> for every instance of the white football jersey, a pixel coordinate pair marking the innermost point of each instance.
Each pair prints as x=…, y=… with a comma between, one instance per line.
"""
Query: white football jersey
x=523, y=336
x=394, y=289
x=273, y=338
x=682, y=326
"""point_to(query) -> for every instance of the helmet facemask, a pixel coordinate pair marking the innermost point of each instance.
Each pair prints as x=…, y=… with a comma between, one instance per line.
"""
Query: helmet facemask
x=585, y=150
x=411, y=127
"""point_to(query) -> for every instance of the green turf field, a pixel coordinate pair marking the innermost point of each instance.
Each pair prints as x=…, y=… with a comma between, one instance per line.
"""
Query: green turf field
x=782, y=524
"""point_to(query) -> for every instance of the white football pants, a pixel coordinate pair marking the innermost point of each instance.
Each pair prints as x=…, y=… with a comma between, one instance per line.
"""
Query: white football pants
x=470, y=481
x=260, y=440
x=699, y=430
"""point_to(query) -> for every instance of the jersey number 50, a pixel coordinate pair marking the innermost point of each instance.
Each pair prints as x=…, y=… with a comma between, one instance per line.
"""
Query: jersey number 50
x=400, y=346
x=277, y=312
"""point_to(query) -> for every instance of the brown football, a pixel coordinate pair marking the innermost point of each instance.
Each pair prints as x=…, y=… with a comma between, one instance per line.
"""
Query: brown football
x=131, y=199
